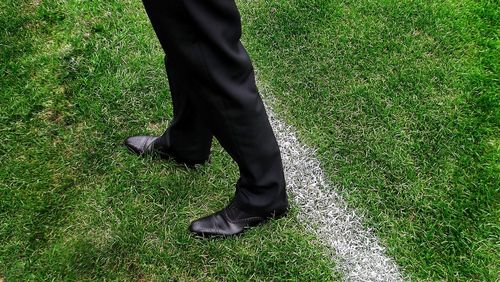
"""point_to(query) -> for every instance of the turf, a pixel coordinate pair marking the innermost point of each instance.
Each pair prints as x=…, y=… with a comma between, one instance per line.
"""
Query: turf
x=77, y=77
x=401, y=100
x=399, y=97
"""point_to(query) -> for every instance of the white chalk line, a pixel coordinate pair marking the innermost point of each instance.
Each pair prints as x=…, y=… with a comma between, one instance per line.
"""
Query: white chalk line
x=357, y=252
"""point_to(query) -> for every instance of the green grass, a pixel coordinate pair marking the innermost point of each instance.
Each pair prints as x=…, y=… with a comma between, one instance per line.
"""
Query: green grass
x=77, y=77
x=399, y=97
x=401, y=100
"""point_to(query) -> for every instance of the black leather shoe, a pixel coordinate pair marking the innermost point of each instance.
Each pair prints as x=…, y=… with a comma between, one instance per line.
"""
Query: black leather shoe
x=231, y=221
x=145, y=145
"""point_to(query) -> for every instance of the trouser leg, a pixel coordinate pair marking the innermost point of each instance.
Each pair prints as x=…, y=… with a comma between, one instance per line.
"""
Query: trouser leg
x=203, y=38
x=187, y=137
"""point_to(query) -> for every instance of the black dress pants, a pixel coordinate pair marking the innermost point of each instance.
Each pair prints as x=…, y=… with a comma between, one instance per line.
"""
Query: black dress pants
x=213, y=91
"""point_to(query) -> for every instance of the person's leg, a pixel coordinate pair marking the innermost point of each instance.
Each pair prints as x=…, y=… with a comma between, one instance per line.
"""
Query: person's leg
x=203, y=37
x=239, y=118
x=187, y=138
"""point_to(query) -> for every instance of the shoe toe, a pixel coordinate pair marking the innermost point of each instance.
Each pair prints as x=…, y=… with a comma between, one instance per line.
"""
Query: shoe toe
x=197, y=227
x=136, y=143
x=215, y=225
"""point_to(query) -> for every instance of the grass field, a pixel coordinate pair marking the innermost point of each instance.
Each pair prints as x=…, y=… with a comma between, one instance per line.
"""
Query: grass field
x=399, y=97
x=77, y=78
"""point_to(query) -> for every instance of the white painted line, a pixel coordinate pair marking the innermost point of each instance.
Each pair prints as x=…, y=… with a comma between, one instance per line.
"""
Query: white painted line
x=356, y=250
